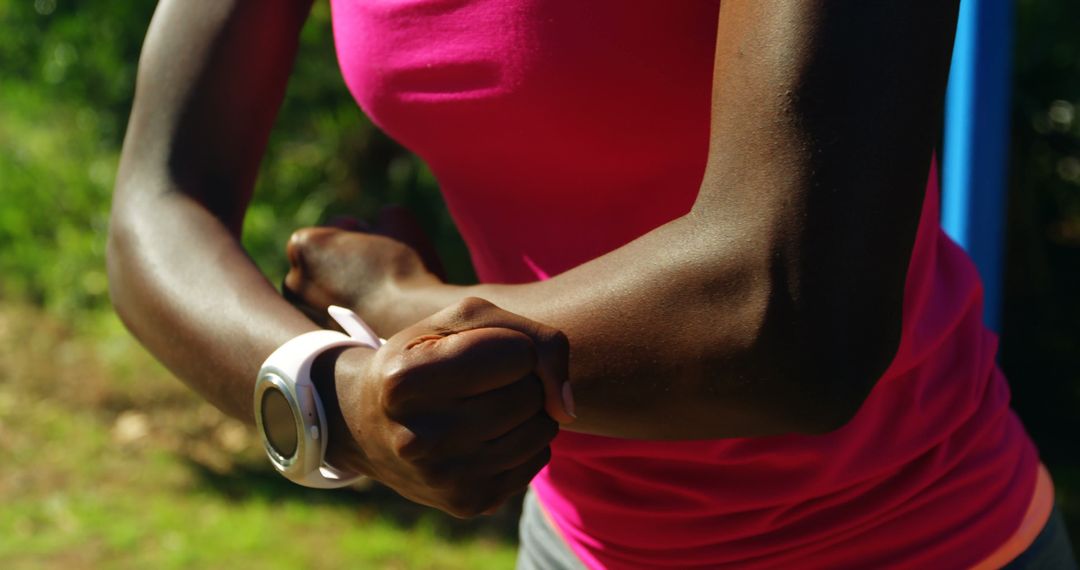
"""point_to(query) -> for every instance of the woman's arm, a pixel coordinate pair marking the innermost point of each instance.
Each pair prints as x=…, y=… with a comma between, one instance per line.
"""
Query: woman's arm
x=211, y=78
x=774, y=305
x=449, y=412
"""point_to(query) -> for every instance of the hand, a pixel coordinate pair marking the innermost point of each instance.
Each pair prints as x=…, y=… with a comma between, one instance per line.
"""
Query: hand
x=369, y=273
x=450, y=411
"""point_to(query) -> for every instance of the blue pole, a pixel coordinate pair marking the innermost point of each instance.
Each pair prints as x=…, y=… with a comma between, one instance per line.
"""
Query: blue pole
x=975, y=152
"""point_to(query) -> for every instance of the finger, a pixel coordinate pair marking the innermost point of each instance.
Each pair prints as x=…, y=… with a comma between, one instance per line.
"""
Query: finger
x=495, y=413
x=514, y=481
x=553, y=366
x=314, y=259
x=466, y=429
x=302, y=243
x=297, y=287
x=496, y=489
x=518, y=446
x=551, y=346
x=303, y=240
x=304, y=294
x=397, y=222
x=320, y=317
x=461, y=364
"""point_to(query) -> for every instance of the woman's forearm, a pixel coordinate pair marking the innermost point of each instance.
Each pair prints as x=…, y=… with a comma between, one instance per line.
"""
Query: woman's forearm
x=668, y=340
x=774, y=305
x=189, y=293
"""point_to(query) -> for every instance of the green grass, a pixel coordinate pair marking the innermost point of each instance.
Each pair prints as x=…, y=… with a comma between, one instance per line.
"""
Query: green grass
x=109, y=462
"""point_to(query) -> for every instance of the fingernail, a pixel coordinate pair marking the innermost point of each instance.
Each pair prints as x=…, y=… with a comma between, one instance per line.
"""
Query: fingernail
x=568, y=400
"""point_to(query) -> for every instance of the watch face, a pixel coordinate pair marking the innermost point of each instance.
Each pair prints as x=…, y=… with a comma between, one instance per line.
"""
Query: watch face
x=278, y=422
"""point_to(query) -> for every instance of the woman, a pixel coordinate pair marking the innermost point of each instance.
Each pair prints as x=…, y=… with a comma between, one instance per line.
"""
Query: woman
x=732, y=203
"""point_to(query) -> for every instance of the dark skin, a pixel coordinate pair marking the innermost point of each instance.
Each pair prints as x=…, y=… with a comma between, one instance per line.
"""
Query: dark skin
x=771, y=308
x=184, y=181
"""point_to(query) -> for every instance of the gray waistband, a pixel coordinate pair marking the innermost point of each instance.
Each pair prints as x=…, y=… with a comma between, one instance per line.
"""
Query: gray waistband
x=541, y=546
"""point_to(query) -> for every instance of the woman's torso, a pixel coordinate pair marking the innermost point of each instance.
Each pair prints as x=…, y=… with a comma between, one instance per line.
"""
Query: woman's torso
x=562, y=130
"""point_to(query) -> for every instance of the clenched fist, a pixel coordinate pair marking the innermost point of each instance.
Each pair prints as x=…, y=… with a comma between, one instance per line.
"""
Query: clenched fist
x=376, y=276
x=450, y=412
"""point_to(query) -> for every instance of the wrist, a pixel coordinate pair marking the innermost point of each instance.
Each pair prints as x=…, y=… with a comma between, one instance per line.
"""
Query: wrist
x=337, y=375
x=413, y=301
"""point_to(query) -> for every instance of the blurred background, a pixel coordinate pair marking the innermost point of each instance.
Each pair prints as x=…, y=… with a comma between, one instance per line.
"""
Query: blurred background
x=106, y=460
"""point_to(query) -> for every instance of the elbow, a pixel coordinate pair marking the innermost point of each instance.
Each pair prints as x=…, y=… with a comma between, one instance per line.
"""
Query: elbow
x=826, y=397
x=840, y=374
x=795, y=361
x=785, y=383
x=829, y=335
x=826, y=360
x=117, y=264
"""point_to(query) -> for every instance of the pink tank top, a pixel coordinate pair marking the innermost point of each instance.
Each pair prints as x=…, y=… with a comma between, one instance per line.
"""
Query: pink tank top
x=560, y=130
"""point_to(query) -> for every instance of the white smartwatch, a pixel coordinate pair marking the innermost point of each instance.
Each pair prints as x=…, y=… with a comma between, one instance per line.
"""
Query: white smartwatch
x=288, y=411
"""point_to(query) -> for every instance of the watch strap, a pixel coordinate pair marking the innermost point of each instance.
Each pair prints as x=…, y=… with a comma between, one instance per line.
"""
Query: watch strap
x=293, y=360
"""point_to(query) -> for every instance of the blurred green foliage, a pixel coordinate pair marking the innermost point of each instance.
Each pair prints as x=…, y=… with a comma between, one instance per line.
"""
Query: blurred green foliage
x=67, y=74
x=65, y=86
